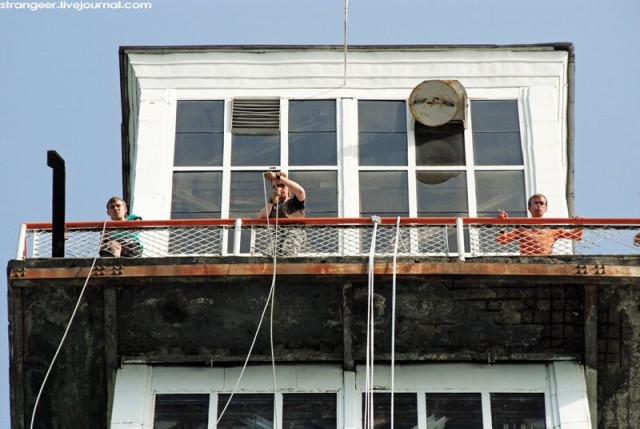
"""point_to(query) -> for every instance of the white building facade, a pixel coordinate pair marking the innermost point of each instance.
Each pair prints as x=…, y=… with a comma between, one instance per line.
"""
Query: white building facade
x=202, y=124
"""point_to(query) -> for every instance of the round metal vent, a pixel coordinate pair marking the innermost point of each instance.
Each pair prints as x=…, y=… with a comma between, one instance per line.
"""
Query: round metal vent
x=436, y=102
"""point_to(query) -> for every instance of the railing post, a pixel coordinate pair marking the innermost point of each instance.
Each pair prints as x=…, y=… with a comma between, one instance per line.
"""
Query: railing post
x=21, y=254
x=460, y=238
x=237, y=235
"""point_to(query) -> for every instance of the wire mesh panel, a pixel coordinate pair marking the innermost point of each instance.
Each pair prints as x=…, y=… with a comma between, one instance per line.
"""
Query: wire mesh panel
x=78, y=244
x=347, y=240
x=218, y=238
x=281, y=241
x=548, y=240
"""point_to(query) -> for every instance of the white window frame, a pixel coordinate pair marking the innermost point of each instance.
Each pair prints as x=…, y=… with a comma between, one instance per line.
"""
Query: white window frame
x=562, y=383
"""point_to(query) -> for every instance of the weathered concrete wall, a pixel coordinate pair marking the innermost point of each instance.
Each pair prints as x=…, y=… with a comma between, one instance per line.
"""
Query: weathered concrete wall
x=75, y=394
x=619, y=356
x=212, y=320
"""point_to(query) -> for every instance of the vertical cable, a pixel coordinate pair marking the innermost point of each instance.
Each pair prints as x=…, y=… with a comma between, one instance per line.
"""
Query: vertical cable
x=393, y=322
x=368, y=404
x=66, y=331
x=270, y=300
x=273, y=298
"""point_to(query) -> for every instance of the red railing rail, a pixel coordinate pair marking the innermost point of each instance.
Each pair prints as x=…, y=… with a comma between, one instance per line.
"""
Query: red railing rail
x=449, y=236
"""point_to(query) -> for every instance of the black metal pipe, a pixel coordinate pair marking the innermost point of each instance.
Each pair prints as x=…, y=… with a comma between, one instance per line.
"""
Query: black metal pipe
x=56, y=162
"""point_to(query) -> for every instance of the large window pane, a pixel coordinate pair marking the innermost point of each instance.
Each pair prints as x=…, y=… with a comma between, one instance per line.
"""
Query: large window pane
x=198, y=149
x=382, y=116
x=247, y=150
x=321, y=189
x=254, y=411
x=200, y=116
x=495, y=116
x=497, y=149
x=312, y=132
x=454, y=410
x=248, y=193
x=383, y=193
x=199, y=133
x=496, y=132
x=309, y=410
x=382, y=132
x=500, y=190
x=181, y=411
x=442, y=193
x=405, y=411
x=196, y=194
x=518, y=410
x=440, y=146
x=312, y=148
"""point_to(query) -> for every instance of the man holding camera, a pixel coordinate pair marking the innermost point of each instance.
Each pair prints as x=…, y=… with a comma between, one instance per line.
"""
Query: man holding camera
x=287, y=199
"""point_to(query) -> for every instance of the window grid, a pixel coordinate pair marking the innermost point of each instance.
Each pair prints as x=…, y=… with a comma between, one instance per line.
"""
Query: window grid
x=347, y=142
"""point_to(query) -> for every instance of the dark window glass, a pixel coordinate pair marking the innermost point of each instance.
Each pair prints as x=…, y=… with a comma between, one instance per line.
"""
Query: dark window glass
x=383, y=193
x=312, y=132
x=196, y=195
x=200, y=116
x=198, y=149
x=440, y=146
x=496, y=132
x=321, y=189
x=199, y=133
x=404, y=407
x=309, y=410
x=442, y=193
x=497, y=149
x=382, y=132
x=247, y=150
x=382, y=116
x=500, y=190
x=254, y=411
x=181, y=411
x=518, y=411
x=249, y=193
x=454, y=410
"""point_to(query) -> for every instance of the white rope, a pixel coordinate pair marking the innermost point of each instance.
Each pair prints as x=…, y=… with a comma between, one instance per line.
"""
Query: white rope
x=270, y=301
x=368, y=405
x=66, y=331
x=393, y=322
x=273, y=297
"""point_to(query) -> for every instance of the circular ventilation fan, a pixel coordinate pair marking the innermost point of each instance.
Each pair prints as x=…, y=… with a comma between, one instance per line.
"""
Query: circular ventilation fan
x=436, y=102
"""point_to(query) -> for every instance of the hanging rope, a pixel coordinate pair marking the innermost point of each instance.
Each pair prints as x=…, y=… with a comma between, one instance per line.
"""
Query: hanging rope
x=393, y=322
x=368, y=404
x=66, y=331
x=269, y=303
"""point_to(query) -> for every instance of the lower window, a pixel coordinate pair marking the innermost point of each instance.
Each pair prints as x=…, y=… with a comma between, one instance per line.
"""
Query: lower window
x=425, y=396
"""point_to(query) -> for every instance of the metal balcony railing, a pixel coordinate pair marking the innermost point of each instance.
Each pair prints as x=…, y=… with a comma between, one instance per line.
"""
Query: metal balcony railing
x=323, y=237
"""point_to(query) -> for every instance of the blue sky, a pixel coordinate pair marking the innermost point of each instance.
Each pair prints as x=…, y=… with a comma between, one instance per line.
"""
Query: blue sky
x=60, y=89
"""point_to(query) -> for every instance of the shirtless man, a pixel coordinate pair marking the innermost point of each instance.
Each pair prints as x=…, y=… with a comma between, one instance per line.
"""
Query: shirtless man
x=536, y=241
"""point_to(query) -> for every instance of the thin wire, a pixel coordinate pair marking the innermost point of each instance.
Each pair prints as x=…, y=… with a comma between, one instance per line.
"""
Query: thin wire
x=393, y=321
x=273, y=298
x=368, y=406
x=66, y=331
x=270, y=299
